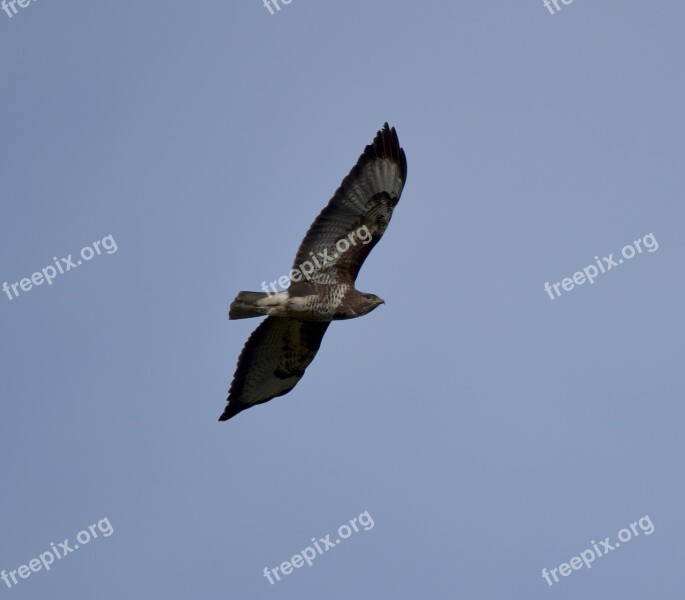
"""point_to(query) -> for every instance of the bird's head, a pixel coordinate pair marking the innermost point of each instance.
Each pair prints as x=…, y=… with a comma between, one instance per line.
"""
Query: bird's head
x=369, y=302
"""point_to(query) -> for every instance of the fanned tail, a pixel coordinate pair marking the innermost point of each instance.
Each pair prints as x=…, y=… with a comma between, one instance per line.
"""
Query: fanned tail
x=246, y=305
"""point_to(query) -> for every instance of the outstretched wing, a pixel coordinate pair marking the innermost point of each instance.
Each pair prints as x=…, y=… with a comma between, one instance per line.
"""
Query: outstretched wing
x=273, y=360
x=344, y=233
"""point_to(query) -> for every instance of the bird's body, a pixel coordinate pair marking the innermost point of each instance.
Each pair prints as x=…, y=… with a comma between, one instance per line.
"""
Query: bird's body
x=322, y=290
x=306, y=301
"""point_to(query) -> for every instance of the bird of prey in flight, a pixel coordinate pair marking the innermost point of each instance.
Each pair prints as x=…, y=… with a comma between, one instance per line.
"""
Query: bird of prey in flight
x=322, y=279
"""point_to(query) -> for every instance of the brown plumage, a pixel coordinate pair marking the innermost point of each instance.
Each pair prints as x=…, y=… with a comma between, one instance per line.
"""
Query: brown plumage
x=322, y=290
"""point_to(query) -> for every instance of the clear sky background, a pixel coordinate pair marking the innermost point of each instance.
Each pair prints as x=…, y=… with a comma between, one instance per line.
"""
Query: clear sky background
x=489, y=431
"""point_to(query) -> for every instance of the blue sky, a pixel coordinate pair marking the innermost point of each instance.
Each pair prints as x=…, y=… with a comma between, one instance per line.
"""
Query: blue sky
x=488, y=430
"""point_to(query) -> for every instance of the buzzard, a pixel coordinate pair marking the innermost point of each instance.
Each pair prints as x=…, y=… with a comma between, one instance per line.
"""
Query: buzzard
x=322, y=279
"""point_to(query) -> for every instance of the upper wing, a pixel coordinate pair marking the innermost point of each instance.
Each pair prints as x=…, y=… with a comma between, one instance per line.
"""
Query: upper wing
x=344, y=233
x=273, y=360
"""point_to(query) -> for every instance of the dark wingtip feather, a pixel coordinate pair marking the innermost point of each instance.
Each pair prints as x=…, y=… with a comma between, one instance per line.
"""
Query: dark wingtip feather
x=386, y=144
x=232, y=410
